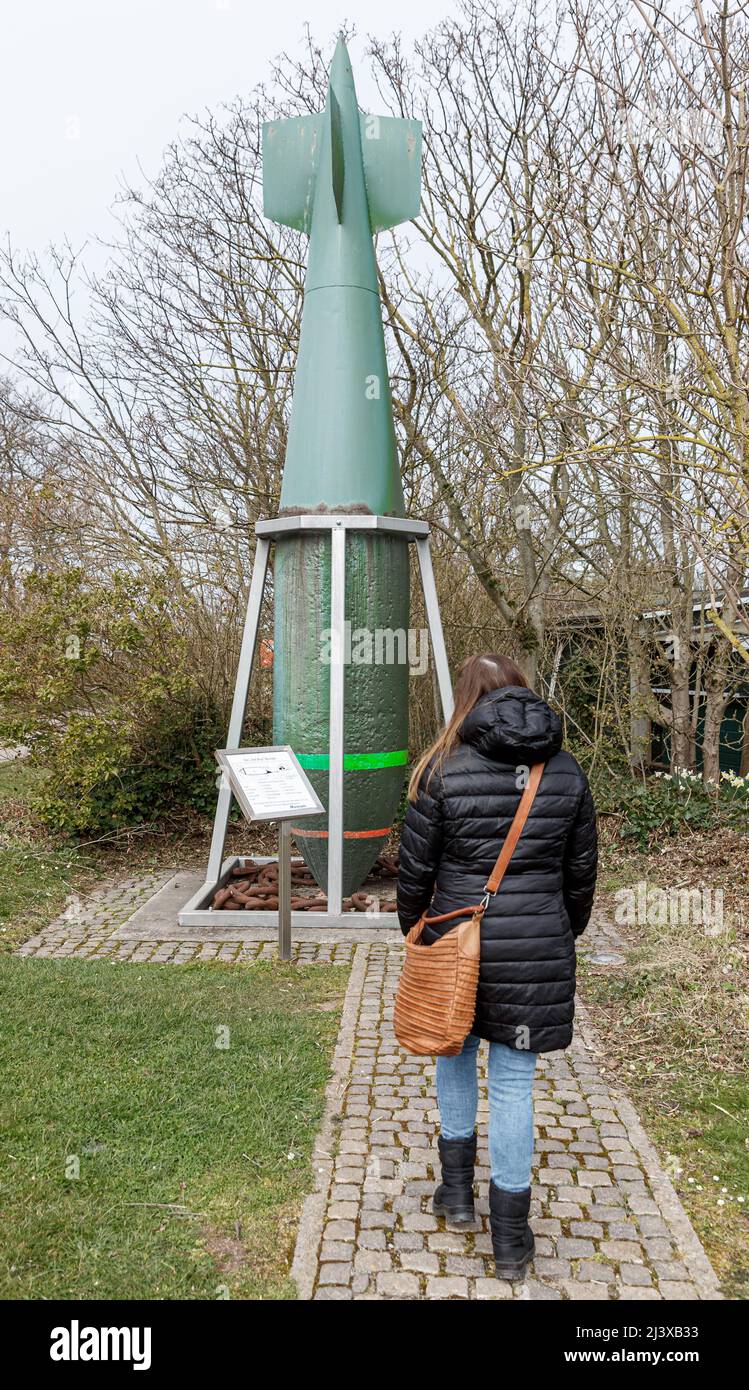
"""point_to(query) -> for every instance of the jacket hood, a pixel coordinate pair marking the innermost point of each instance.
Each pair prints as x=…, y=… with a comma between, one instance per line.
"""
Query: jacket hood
x=513, y=724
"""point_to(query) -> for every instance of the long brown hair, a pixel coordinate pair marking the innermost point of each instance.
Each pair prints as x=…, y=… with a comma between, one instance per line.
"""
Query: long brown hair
x=476, y=677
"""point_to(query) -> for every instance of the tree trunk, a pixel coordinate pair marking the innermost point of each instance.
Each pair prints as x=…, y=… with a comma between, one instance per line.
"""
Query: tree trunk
x=682, y=734
x=640, y=700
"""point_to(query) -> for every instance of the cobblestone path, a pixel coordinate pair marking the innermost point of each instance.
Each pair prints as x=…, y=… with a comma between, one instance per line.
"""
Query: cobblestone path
x=607, y=1220
x=91, y=927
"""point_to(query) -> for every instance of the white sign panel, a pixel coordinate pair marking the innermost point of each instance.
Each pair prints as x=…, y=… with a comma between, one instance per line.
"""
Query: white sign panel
x=269, y=783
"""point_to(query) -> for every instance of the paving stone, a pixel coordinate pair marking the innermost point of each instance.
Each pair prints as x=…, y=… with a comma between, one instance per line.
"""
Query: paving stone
x=340, y=1230
x=622, y=1230
x=635, y=1274
x=343, y=1211
x=447, y=1287
x=657, y=1248
x=595, y=1272
x=622, y=1250
x=565, y=1210
x=654, y=1226
x=407, y=1240
x=571, y=1195
x=372, y=1261
x=587, y=1177
x=492, y=1288
x=630, y=1291
x=586, y=1292
x=419, y=1221
x=538, y=1292
x=572, y=1248
x=602, y=1199
x=334, y=1273
x=642, y=1206
x=348, y=1175
x=593, y=1230
x=372, y=1240
x=464, y=1264
x=345, y=1192
x=669, y=1271
x=422, y=1262
x=551, y=1267
x=398, y=1285
x=335, y=1250
x=378, y=1220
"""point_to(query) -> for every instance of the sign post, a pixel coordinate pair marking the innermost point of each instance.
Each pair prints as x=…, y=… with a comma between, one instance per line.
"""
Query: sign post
x=271, y=785
x=284, y=890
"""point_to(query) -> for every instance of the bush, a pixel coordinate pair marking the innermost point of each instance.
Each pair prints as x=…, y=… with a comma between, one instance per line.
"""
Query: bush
x=98, y=679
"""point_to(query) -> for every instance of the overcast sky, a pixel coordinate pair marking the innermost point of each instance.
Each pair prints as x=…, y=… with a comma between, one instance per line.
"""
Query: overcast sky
x=90, y=88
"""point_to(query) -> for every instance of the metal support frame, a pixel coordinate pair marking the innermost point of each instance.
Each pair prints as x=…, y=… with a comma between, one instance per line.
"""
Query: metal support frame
x=239, y=704
x=197, y=912
x=337, y=673
x=434, y=623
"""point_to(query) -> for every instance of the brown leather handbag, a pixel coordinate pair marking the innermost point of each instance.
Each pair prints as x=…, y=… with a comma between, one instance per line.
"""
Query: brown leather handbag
x=436, y=998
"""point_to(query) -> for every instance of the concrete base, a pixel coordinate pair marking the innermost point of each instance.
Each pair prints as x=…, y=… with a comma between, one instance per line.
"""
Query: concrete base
x=159, y=920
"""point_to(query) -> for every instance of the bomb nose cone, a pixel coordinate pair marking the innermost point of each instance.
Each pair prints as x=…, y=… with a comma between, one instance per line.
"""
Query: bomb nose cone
x=341, y=74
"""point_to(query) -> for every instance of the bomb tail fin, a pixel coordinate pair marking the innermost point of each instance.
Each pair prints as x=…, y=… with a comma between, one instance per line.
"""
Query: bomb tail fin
x=391, y=150
x=291, y=157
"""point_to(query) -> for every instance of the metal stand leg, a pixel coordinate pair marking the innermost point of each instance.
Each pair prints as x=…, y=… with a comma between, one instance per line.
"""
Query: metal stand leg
x=284, y=891
x=335, y=775
x=239, y=704
x=435, y=626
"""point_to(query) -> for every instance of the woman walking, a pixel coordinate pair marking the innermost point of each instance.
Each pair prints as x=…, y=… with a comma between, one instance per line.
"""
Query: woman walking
x=462, y=799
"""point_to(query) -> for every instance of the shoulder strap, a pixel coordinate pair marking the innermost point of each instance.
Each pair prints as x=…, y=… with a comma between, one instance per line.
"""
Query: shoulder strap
x=515, y=830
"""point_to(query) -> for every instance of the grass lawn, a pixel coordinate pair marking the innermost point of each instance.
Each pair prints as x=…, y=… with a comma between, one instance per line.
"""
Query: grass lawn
x=674, y=1027
x=143, y=1160
x=35, y=878
x=697, y=1116
x=34, y=885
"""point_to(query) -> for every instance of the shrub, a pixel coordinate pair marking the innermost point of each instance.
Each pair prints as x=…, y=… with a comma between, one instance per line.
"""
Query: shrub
x=98, y=679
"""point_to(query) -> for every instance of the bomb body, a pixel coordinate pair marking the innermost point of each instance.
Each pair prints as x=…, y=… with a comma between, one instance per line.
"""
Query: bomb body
x=340, y=176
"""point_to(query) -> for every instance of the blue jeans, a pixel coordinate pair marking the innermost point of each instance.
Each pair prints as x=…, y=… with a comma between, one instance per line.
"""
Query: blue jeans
x=510, y=1107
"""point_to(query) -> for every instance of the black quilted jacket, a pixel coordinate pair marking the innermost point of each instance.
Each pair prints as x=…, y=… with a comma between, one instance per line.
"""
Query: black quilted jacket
x=452, y=836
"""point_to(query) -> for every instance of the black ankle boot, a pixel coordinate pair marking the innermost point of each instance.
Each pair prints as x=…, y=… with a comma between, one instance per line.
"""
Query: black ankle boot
x=512, y=1237
x=454, y=1196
